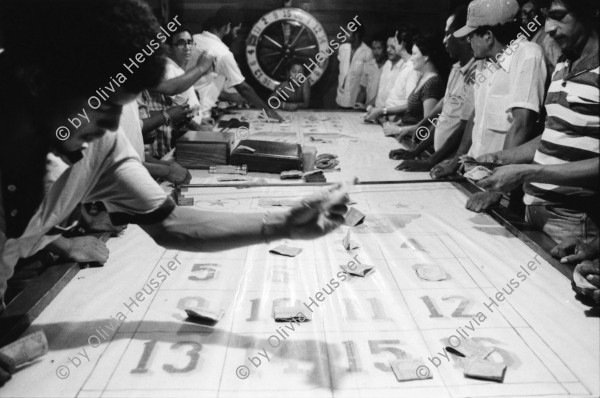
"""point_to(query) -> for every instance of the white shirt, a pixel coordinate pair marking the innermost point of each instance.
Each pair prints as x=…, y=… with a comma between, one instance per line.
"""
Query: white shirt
x=516, y=82
x=351, y=72
x=459, y=103
x=388, y=77
x=131, y=124
x=370, y=80
x=225, y=75
x=110, y=171
x=405, y=83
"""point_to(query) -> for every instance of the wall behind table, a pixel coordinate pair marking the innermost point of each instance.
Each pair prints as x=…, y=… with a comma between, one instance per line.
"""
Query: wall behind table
x=427, y=15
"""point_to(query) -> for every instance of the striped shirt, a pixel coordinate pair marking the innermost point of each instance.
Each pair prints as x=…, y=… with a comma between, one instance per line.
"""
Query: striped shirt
x=572, y=127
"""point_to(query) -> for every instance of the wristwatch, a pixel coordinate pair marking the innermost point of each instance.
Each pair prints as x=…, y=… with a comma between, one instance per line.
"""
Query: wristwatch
x=168, y=119
x=384, y=111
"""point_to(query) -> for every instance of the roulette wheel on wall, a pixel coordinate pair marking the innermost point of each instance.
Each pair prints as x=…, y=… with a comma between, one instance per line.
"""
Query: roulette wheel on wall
x=278, y=38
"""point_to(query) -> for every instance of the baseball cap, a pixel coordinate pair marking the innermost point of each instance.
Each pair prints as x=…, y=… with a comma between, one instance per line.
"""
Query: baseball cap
x=488, y=13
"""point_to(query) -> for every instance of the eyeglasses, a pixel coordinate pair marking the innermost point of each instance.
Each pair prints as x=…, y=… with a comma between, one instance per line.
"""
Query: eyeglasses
x=555, y=15
x=183, y=43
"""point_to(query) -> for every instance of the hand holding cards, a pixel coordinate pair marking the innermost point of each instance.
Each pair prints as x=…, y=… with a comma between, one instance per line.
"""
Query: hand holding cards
x=318, y=214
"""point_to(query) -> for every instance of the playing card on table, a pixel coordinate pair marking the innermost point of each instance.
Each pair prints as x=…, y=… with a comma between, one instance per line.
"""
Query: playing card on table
x=291, y=314
x=471, y=349
x=353, y=217
x=485, y=370
x=361, y=270
x=410, y=369
x=348, y=243
x=286, y=250
x=430, y=272
x=204, y=315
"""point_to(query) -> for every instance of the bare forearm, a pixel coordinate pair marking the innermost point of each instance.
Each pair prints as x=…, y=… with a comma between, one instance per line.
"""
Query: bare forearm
x=193, y=230
x=582, y=174
x=521, y=129
x=451, y=144
x=181, y=83
x=522, y=154
x=467, y=137
x=250, y=95
x=157, y=170
x=153, y=122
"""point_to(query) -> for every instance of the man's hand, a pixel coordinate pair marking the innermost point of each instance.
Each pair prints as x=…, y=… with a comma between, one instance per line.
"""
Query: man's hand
x=318, y=215
x=86, y=249
x=574, y=251
x=506, y=178
x=373, y=114
x=444, y=169
x=180, y=113
x=415, y=165
x=178, y=175
x=290, y=107
x=402, y=154
x=590, y=271
x=205, y=62
x=391, y=130
x=272, y=114
x=4, y=370
x=481, y=201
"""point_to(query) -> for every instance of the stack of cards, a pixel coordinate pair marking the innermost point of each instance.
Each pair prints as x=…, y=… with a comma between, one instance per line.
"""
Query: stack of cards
x=291, y=175
x=470, y=348
x=430, y=272
x=354, y=217
x=286, y=250
x=296, y=314
x=203, y=315
x=410, y=369
x=361, y=270
x=485, y=370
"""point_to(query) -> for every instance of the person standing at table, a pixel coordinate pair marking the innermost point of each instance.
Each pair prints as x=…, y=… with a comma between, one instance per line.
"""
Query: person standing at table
x=561, y=168
x=225, y=24
x=395, y=88
x=445, y=126
x=353, y=57
x=509, y=89
x=369, y=82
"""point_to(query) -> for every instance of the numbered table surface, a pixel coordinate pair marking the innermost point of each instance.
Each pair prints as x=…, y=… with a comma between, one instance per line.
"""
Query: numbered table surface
x=121, y=331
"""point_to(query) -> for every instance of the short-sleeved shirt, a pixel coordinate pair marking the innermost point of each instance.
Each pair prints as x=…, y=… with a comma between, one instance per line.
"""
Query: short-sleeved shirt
x=131, y=124
x=110, y=171
x=572, y=131
x=459, y=103
x=403, y=86
x=370, y=80
x=225, y=75
x=351, y=71
x=389, y=74
x=433, y=88
x=516, y=81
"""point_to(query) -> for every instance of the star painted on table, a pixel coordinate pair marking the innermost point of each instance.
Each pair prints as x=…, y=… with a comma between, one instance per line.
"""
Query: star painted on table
x=217, y=202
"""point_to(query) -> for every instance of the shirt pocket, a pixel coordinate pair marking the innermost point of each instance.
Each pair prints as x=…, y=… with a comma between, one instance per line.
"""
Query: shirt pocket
x=497, y=117
x=586, y=110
